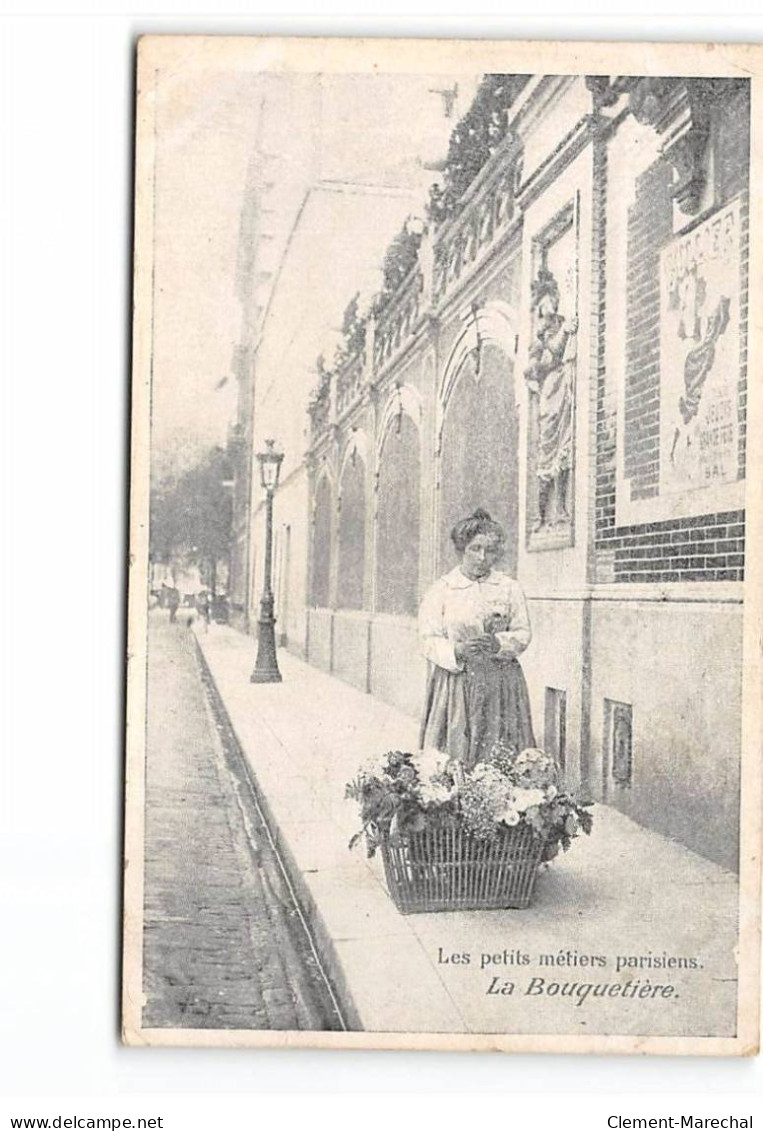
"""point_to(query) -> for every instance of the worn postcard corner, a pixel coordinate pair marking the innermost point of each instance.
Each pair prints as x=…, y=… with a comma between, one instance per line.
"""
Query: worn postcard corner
x=444, y=680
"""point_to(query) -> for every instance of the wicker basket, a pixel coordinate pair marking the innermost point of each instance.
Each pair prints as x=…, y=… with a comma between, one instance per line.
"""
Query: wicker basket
x=450, y=870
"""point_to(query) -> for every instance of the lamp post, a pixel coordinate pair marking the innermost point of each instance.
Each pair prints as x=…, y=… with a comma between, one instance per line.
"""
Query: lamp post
x=266, y=667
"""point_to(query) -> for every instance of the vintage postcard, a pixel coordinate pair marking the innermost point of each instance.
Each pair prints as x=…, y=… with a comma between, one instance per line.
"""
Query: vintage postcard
x=445, y=582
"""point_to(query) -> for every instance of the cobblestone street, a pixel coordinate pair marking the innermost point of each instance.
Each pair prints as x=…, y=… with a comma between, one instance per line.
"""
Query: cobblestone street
x=224, y=943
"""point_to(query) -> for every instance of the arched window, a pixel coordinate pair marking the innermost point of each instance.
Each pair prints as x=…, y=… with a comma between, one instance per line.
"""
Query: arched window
x=398, y=520
x=321, y=580
x=478, y=451
x=352, y=534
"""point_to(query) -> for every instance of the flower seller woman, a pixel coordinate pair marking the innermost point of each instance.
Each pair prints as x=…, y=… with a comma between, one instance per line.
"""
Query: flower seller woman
x=473, y=624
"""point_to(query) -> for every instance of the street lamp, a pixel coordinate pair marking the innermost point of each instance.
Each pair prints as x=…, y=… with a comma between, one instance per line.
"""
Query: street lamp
x=266, y=667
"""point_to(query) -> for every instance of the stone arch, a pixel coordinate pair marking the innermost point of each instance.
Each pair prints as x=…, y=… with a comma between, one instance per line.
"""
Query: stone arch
x=358, y=446
x=477, y=459
x=403, y=401
x=398, y=514
x=351, y=529
x=322, y=536
x=493, y=322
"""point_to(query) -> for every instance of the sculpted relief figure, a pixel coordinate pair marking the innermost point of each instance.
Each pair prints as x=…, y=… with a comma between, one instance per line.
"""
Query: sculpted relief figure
x=550, y=377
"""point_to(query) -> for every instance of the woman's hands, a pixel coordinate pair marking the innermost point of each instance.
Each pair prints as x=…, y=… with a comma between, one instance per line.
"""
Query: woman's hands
x=479, y=646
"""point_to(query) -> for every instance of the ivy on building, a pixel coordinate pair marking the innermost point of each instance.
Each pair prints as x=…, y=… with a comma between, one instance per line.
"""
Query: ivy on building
x=322, y=389
x=473, y=142
x=353, y=333
x=399, y=261
x=352, y=343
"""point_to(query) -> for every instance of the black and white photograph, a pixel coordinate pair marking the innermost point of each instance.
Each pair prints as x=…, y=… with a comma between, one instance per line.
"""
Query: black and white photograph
x=443, y=706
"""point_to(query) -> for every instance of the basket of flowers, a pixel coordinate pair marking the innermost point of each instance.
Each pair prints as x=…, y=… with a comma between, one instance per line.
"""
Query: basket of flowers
x=457, y=840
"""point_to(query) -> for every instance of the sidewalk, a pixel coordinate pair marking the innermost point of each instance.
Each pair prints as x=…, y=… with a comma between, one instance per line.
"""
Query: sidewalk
x=625, y=891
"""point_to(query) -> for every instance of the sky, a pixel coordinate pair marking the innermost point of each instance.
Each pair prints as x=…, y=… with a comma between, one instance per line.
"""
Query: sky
x=330, y=137
x=205, y=129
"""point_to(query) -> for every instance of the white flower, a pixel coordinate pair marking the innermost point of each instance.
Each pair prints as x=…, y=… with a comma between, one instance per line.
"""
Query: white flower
x=434, y=792
x=526, y=798
x=510, y=816
x=430, y=762
x=551, y=792
x=533, y=754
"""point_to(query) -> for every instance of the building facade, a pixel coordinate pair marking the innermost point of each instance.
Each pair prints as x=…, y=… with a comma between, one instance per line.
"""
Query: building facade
x=568, y=350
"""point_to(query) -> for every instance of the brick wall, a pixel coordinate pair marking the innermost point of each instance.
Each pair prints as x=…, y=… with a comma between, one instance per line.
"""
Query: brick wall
x=650, y=228
x=733, y=140
x=745, y=250
x=709, y=547
x=604, y=407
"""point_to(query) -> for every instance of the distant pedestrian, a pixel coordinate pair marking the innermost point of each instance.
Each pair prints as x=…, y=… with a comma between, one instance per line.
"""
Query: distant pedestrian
x=173, y=603
x=204, y=605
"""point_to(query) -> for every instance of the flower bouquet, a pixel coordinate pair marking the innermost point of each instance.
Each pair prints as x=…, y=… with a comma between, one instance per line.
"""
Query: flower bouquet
x=455, y=839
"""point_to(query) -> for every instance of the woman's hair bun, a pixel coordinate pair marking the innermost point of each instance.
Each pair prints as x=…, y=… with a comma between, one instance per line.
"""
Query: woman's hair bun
x=478, y=523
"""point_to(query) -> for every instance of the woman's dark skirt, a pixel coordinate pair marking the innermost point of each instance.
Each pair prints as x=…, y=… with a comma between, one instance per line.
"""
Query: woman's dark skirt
x=467, y=713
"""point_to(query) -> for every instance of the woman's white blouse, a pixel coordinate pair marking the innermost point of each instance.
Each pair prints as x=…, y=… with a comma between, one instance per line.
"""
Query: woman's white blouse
x=456, y=608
